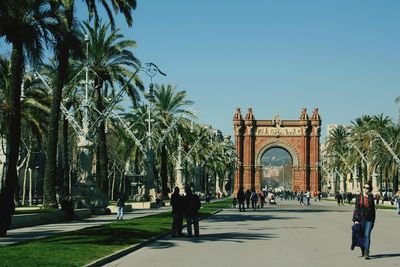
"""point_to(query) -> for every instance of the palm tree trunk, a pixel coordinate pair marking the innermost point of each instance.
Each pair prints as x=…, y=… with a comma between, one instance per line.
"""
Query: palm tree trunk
x=65, y=156
x=13, y=138
x=30, y=186
x=28, y=159
x=101, y=148
x=49, y=197
x=381, y=180
x=164, y=171
x=396, y=180
x=113, y=182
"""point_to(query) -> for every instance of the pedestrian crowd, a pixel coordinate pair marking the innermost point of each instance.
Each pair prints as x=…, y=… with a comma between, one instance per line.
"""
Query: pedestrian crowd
x=259, y=199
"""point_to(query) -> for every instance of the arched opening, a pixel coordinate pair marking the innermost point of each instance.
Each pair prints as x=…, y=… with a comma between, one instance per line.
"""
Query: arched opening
x=276, y=169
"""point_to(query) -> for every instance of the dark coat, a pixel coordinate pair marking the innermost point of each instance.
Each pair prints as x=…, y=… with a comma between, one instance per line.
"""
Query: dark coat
x=364, y=209
x=357, y=236
x=192, y=205
x=248, y=195
x=240, y=196
x=121, y=200
x=177, y=203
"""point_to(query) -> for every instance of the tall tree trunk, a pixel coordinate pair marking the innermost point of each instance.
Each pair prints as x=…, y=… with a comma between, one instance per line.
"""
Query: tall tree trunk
x=49, y=197
x=101, y=148
x=13, y=138
x=164, y=171
x=113, y=182
x=65, y=154
x=30, y=186
x=381, y=180
x=396, y=180
x=171, y=179
x=386, y=180
x=28, y=159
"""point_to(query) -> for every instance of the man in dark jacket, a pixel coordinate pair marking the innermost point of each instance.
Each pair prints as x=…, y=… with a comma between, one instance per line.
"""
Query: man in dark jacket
x=120, y=206
x=177, y=212
x=192, y=206
x=241, y=198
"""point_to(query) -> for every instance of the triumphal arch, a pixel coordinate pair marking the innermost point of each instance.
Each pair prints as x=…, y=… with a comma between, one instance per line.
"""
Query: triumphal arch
x=300, y=138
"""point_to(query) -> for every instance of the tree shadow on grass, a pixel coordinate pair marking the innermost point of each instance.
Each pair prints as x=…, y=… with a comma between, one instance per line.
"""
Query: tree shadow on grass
x=104, y=236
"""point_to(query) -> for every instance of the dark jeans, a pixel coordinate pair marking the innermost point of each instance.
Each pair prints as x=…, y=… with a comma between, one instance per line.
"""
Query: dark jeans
x=241, y=206
x=177, y=224
x=367, y=227
x=248, y=203
x=195, y=221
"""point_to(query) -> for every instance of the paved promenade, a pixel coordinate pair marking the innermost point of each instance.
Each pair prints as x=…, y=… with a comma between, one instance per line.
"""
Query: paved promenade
x=282, y=235
x=40, y=231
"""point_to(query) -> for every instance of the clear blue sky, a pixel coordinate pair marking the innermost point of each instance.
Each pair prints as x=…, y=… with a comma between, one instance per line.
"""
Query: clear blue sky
x=275, y=56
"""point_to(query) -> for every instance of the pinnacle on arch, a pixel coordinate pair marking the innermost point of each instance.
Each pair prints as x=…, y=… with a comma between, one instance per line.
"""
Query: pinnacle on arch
x=249, y=115
x=304, y=115
x=315, y=115
x=238, y=115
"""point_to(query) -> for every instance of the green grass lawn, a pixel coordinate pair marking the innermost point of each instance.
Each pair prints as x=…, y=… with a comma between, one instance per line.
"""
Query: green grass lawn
x=84, y=246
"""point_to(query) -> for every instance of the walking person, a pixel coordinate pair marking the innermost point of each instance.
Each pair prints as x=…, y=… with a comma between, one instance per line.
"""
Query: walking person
x=248, y=195
x=177, y=213
x=254, y=199
x=364, y=214
x=339, y=198
x=308, y=197
x=397, y=198
x=120, y=206
x=301, y=196
x=261, y=197
x=192, y=206
x=241, y=197
x=349, y=197
x=68, y=207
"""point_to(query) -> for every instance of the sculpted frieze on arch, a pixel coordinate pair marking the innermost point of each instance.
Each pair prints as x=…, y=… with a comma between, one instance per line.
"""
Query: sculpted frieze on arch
x=278, y=131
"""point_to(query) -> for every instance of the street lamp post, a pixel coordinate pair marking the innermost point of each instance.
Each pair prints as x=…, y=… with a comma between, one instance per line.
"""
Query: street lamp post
x=178, y=168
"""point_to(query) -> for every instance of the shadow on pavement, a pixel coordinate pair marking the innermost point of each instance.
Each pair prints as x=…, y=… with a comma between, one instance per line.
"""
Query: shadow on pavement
x=246, y=217
x=293, y=210
x=224, y=237
x=380, y=256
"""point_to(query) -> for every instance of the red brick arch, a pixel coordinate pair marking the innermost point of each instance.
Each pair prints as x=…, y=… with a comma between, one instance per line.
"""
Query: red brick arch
x=300, y=138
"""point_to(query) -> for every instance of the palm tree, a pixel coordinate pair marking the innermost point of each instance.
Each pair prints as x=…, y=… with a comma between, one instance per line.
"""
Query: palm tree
x=111, y=60
x=124, y=6
x=360, y=139
x=337, y=145
x=35, y=108
x=383, y=158
x=23, y=24
x=65, y=41
x=63, y=36
x=168, y=105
